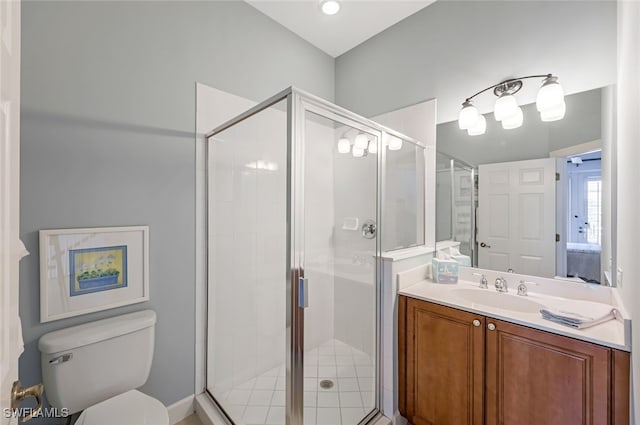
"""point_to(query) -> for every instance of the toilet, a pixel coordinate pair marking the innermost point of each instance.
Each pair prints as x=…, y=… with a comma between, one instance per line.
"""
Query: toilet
x=96, y=367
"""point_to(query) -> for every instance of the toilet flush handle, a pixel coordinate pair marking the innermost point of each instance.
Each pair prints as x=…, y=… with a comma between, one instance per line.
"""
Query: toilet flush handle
x=61, y=359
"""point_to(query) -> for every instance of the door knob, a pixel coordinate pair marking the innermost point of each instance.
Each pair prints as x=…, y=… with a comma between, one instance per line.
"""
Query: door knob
x=484, y=245
x=476, y=323
x=20, y=393
x=491, y=327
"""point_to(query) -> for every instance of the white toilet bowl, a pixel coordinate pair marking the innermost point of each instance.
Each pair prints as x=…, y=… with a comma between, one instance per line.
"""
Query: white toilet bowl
x=130, y=408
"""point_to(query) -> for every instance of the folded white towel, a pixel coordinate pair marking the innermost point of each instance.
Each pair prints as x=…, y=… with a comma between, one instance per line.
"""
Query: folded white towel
x=579, y=314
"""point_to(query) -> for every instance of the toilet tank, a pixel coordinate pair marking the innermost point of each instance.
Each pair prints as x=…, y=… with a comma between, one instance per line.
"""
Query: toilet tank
x=86, y=364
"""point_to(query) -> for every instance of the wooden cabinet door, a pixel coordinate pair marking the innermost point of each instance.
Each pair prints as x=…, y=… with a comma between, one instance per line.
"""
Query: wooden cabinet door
x=534, y=377
x=444, y=365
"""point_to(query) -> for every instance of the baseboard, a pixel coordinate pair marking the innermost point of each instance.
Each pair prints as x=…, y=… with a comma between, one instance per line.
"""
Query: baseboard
x=207, y=412
x=181, y=409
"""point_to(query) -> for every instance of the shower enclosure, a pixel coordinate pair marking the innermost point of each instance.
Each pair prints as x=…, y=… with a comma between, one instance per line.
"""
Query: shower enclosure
x=295, y=204
x=456, y=204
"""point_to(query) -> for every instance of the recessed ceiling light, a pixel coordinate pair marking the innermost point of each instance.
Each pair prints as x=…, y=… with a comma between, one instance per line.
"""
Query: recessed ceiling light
x=330, y=7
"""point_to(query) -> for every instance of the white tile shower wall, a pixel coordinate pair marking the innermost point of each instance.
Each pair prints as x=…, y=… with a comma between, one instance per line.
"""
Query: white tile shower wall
x=213, y=108
x=355, y=196
x=319, y=251
x=247, y=231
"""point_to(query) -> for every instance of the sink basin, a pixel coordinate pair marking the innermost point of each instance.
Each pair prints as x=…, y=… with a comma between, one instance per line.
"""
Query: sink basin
x=500, y=300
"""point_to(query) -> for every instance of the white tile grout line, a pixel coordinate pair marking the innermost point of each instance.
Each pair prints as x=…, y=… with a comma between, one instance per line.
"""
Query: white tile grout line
x=328, y=349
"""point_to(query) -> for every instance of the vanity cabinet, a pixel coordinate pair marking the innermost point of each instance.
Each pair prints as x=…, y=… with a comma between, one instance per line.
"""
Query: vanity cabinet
x=459, y=368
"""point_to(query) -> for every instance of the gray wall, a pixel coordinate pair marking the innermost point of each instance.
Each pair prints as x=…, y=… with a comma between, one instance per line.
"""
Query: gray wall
x=108, y=122
x=535, y=139
x=452, y=49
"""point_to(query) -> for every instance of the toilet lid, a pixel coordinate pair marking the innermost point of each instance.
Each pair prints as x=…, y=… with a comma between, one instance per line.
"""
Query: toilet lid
x=130, y=408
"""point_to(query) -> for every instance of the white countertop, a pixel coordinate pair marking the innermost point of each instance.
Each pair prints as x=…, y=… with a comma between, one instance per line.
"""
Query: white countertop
x=614, y=333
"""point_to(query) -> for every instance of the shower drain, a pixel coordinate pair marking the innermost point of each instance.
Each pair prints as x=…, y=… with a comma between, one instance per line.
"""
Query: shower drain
x=325, y=384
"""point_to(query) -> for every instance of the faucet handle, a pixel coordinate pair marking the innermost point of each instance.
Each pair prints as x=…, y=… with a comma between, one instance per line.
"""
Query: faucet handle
x=501, y=284
x=522, y=287
x=483, y=281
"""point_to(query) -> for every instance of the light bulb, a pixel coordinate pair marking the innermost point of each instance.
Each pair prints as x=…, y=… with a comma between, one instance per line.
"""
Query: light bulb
x=506, y=107
x=373, y=147
x=550, y=95
x=479, y=128
x=330, y=7
x=395, y=144
x=468, y=115
x=514, y=121
x=357, y=152
x=344, y=145
x=361, y=141
x=554, y=114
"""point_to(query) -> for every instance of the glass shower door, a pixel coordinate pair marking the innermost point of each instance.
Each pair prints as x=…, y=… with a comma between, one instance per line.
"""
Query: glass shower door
x=338, y=246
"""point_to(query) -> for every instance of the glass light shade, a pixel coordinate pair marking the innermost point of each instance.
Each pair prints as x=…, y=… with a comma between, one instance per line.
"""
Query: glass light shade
x=479, y=128
x=468, y=116
x=357, y=152
x=395, y=144
x=554, y=114
x=330, y=7
x=361, y=141
x=373, y=147
x=514, y=121
x=506, y=107
x=344, y=145
x=550, y=95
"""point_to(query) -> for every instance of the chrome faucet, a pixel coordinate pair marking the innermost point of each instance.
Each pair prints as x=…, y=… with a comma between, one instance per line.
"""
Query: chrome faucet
x=501, y=285
x=522, y=287
x=483, y=280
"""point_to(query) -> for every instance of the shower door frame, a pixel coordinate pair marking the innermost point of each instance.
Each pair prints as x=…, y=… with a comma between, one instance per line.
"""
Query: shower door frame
x=298, y=103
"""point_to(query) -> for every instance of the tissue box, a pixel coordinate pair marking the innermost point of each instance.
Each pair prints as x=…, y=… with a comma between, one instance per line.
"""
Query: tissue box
x=444, y=271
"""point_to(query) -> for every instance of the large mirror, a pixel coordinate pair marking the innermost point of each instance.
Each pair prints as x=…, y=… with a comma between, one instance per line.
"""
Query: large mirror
x=534, y=200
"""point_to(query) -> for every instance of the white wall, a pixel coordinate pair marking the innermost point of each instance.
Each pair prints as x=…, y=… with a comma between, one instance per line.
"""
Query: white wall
x=628, y=135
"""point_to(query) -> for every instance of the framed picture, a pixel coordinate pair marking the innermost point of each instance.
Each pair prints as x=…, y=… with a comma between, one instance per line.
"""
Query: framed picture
x=87, y=270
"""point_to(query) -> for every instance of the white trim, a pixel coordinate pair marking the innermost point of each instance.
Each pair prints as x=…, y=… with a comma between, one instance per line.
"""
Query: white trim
x=201, y=246
x=207, y=412
x=181, y=409
x=586, y=147
x=402, y=254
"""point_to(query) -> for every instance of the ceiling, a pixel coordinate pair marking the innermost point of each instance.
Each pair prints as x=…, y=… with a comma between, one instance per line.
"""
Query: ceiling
x=357, y=21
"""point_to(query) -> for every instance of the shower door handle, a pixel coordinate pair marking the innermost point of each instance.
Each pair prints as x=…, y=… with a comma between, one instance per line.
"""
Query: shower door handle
x=303, y=292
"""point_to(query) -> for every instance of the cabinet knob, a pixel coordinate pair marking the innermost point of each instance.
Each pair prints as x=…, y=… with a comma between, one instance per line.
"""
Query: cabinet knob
x=491, y=327
x=476, y=323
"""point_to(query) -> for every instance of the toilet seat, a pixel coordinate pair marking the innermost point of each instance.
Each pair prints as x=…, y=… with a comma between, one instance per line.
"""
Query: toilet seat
x=130, y=408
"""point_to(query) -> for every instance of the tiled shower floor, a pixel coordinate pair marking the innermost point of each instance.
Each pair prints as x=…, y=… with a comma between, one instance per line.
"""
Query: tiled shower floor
x=261, y=400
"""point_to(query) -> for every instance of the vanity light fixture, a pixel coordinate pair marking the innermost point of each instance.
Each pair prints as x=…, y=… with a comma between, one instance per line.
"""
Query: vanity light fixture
x=357, y=152
x=362, y=145
x=344, y=145
x=395, y=143
x=330, y=7
x=361, y=141
x=549, y=102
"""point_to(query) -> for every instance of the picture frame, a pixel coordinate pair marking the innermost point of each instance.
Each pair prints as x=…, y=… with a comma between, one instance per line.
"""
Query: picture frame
x=92, y=269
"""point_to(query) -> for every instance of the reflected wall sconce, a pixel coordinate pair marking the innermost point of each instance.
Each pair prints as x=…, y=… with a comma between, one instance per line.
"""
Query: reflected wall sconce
x=362, y=146
x=549, y=102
